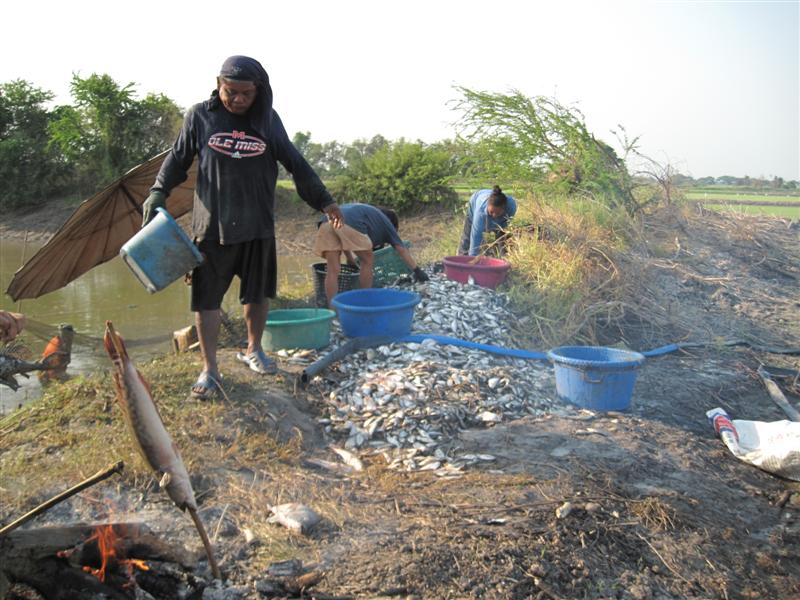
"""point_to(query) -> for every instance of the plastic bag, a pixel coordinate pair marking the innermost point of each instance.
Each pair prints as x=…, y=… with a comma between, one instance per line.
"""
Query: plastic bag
x=773, y=447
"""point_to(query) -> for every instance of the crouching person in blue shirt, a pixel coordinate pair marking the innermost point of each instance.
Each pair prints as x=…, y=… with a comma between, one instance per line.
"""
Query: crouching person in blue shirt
x=365, y=228
x=488, y=210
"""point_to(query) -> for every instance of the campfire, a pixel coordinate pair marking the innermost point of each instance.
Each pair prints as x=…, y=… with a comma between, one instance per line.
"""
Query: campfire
x=121, y=560
x=106, y=539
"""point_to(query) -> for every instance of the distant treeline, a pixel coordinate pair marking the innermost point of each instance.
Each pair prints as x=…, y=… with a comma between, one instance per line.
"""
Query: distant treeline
x=754, y=183
x=528, y=144
x=75, y=150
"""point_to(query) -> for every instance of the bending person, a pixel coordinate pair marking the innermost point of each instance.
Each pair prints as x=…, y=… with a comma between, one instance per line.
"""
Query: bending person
x=365, y=227
x=488, y=210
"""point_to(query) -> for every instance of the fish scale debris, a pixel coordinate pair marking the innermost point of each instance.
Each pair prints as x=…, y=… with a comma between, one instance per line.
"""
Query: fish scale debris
x=409, y=401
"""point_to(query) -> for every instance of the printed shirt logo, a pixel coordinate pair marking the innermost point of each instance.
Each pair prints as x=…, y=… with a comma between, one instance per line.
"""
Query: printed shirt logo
x=237, y=144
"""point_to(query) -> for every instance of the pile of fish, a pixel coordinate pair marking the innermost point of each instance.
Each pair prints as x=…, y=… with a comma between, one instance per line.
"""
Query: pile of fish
x=408, y=401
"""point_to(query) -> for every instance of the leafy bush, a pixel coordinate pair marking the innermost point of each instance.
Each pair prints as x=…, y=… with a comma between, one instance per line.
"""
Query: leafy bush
x=400, y=175
x=544, y=145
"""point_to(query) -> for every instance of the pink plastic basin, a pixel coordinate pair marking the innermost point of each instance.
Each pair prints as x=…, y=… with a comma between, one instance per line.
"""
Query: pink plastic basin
x=484, y=271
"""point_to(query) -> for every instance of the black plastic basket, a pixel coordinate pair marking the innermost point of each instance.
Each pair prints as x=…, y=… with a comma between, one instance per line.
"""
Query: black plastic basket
x=348, y=280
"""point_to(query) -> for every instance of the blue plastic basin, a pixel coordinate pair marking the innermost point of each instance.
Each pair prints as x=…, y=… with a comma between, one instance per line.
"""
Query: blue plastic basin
x=375, y=311
x=595, y=377
x=160, y=253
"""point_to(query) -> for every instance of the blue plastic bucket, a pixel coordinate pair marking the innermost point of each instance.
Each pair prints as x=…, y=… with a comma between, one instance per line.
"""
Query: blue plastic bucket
x=297, y=328
x=160, y=253
x=376, y=311
x=595, y=377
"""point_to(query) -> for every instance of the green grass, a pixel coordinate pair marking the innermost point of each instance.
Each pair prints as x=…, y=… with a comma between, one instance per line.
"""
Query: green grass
x=790, y=212
x=743, y=189
x=733, y=195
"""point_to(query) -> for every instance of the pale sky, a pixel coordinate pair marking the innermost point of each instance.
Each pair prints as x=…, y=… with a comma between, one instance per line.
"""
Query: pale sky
x=711, y=87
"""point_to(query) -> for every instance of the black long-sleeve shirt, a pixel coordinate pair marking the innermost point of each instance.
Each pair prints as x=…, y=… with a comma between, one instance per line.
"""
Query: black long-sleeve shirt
x=234, y=198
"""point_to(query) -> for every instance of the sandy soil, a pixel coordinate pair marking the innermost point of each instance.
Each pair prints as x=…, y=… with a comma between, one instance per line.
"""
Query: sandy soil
x=659, y=507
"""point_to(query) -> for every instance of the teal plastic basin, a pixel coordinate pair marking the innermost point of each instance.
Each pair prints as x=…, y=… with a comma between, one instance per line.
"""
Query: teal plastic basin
x=297, y=328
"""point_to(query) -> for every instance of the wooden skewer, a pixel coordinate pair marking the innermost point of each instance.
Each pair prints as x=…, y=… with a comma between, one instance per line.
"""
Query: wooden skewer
x=206, y=544
x=97, y=477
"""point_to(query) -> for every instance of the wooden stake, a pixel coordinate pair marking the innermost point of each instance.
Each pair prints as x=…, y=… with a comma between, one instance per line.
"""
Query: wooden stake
x=96, y=478
x=777, y=395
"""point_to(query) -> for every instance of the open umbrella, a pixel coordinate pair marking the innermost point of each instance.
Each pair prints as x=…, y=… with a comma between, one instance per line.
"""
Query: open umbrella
x=96, y=231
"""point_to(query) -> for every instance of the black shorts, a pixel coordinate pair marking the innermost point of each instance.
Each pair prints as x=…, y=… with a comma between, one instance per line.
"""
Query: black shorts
x=254, y=262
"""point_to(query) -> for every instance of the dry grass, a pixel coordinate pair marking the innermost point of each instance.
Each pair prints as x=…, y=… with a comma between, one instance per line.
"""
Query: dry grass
x=655, y=514
x=565, y=276
x=76, y=429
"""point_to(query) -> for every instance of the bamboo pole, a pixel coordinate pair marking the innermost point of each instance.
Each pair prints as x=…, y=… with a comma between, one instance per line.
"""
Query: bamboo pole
x=22, y=264
x=96, y=478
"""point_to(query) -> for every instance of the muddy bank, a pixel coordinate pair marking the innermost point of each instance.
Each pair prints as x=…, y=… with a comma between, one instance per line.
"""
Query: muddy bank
x=645, y=503
x=295, y=229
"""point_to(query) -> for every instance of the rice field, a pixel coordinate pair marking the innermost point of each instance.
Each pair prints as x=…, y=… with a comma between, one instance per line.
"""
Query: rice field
x=711, y=195
x=789, y=212
x=779, y=203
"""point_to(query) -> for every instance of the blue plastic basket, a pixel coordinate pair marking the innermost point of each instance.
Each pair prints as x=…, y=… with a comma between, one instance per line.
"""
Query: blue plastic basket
x=595, y=377
x=160, y=252
x=376, y=312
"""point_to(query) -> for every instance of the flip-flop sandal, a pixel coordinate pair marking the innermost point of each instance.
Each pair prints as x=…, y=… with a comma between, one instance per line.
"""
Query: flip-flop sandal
x=208, y=386
x=258, y=362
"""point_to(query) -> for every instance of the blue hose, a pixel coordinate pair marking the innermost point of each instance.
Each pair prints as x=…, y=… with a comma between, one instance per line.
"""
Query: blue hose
x=444, y=339
x=355, y=344
x=662, y=350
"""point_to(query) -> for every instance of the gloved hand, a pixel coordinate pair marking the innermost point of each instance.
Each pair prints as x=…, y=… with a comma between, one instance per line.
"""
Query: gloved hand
x=420, y=276
x=154, y=200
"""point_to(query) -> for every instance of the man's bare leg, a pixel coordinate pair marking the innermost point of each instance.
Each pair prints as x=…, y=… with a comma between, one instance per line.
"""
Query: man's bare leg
x=332, y=269
x=208, y=322
x=255, y=317
x=365, y=260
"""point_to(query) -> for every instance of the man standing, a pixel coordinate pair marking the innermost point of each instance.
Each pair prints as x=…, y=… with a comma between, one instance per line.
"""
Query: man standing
x=365, y=227
x=488, y=210
x=238, y=140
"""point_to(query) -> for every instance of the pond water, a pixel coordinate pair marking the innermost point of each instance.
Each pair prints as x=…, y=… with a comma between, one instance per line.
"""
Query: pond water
x=111, y=292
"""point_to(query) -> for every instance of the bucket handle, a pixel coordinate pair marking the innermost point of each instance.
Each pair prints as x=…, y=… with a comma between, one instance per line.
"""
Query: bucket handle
x=588, y=379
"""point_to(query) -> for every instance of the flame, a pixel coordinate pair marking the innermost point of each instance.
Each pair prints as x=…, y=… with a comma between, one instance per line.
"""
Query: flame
x=106, y=538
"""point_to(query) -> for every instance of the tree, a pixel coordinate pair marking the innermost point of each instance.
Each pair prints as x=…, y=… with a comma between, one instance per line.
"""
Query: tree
x=542, y=143
x=30, y=168
x=401, y=175
x=108, y=131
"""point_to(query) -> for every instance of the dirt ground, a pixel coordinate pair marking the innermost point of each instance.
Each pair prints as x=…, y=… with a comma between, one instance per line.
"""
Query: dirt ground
x=658, y=507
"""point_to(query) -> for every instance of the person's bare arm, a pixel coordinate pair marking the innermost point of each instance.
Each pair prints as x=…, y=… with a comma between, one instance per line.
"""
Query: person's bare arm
x=419, y=275
x=406, y=256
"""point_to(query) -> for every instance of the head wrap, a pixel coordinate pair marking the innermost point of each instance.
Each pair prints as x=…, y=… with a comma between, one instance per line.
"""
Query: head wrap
x=244, y=68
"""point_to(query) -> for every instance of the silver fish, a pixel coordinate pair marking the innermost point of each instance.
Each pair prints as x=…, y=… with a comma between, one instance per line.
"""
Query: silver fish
x=151, y=437
x=145, y=424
